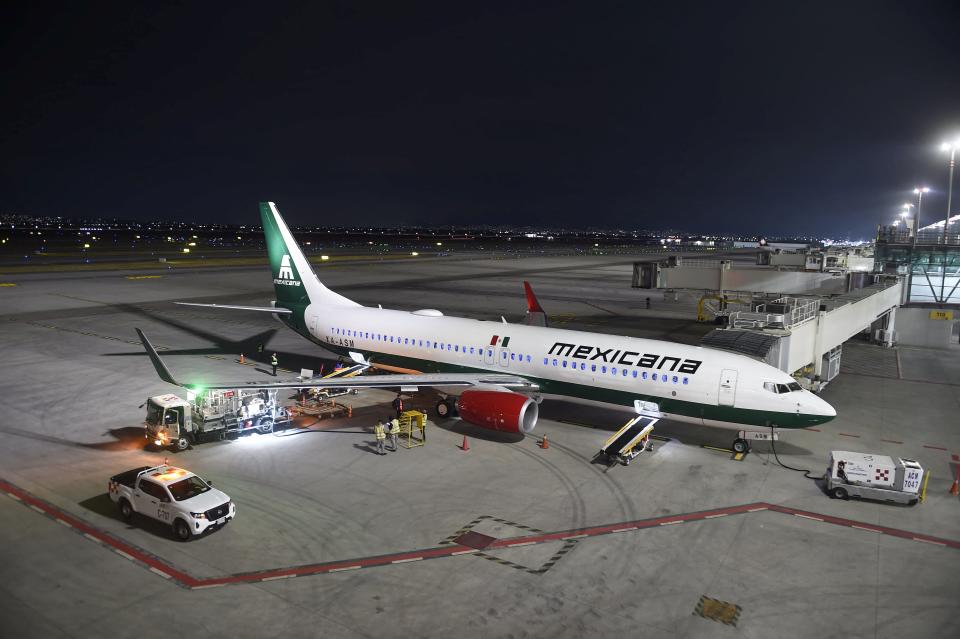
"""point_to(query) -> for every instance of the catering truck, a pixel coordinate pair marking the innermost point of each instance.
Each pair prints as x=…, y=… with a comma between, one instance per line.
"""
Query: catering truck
x=173, y=496
x=873, y=477
x=176, y=423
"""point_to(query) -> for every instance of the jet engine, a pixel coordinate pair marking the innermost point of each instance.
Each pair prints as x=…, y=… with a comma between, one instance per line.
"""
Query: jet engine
x=505, y=411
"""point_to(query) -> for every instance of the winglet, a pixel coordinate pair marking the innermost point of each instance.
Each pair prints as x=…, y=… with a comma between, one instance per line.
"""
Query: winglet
x=158, y=364
x=533, y=305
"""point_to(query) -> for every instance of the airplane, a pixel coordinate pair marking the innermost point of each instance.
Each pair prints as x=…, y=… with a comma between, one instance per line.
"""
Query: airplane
x=494, y=375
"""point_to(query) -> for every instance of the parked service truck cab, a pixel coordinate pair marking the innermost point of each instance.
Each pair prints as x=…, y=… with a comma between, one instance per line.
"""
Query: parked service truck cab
x=177, y=423
x=172, y=496
x=873, y=477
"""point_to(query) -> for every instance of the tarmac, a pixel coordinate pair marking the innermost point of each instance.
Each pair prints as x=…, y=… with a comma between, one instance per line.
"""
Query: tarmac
x=507, y=539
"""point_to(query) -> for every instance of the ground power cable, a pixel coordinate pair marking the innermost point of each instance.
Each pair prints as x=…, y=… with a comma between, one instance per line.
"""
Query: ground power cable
x=773, y=447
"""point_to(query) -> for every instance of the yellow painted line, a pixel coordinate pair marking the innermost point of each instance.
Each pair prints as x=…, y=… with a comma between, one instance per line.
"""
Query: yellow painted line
x=7, y=284
x=144, y=277
x=722, y=450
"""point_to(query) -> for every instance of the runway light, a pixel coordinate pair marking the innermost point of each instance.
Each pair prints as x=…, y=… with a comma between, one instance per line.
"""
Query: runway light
x=414, y=254
x=84, y=246
x=192, y=244
x=324, y=257
x=439, y=243
x=186, y=250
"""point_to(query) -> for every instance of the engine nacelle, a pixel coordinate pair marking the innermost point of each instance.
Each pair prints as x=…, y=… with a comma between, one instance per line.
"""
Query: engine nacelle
x=505, y=411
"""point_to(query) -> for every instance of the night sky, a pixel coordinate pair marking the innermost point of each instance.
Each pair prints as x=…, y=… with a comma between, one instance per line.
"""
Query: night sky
x=768, y=117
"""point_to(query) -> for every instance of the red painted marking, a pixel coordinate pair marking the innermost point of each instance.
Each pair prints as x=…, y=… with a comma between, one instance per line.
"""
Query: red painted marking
x=955, y=457
x=893, y=532
x=890, y=441
x=99, y=535
x=442, y=551
x=934, y=447
x=848, y=435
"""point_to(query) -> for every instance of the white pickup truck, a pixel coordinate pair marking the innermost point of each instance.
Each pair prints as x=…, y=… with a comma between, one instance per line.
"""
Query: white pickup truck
x=173, y=496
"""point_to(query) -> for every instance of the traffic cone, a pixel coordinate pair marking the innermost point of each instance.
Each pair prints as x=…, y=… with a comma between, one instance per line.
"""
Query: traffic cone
x=465, y=445
x=544, y=444
x=242, y=359
x=955, y=489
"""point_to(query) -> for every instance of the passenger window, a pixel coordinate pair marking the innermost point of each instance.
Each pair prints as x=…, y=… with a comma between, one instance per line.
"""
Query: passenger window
x=512, y=356
x=456, y=348
x=624, y=372
x=675, y=379
x=441, y=347
x=563, y=364
x=686, y=380
x=644, y=375
x=614, y=370
x=528, y=359
x=634, y=374
x=554, y=362
x=593, y=368
x=583, y=366
x=603, y=369
x=544, y=361
x=471, y=350
x=654, y=376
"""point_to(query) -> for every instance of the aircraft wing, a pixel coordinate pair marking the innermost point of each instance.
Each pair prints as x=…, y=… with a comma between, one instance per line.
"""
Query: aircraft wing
x=262, y=309
x=402, y=382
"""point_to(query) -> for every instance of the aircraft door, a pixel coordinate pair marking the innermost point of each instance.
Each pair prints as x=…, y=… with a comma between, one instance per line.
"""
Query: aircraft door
x=728, y=387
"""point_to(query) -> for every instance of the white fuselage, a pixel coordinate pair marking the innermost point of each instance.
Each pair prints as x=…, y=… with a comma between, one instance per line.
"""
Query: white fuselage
x=688, y=383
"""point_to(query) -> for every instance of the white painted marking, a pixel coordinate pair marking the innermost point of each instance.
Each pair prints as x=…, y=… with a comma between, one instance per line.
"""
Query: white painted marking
x=278, y=577
x=755, y=510
x=929, y=541
x=124, y=555
x=573, y=537
x=160, y=572
x=38, y=509
x=207, y=586
x=464, y=552
x=345, y=568
x=65, y=523
x=807, y=517
x=715, y=516
x=12, y=496
x=669, y=523
x=863, y=528
x=91, y=537
x=405, y=561
x=624, y=529
x=522, y=543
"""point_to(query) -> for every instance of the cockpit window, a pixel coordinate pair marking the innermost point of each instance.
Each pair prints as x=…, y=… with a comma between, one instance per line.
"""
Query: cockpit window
x=770, y=386
x=782, y=388
x=793, y=386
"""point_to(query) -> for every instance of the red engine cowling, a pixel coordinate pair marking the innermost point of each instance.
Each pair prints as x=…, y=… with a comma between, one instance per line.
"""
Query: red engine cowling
x=498, y=410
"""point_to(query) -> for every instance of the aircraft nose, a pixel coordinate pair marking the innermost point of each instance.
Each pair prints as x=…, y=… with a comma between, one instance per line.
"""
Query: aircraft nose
x=819, y=407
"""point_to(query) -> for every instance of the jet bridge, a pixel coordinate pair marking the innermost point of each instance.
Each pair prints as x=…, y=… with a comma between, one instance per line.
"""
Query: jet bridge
x=798, y=334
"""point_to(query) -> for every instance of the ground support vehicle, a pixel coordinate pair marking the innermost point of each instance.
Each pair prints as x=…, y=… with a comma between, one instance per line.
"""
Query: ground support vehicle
x=177, y=423
x=173, y=496
x=873, y=477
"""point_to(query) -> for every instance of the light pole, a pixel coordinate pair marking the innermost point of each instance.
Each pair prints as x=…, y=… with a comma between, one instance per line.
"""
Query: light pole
x=919, y=191
x=952, y=147
x=905, y=214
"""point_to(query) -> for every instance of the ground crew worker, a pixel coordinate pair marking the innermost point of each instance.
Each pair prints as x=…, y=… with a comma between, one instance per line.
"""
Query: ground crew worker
x=394, y=432
x=274, y=362
x=398, y=404
x=381, y=434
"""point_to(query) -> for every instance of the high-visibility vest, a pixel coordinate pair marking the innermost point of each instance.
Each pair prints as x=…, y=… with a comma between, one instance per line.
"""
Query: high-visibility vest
x=273, y=360
x=395, y=427
x=380, y=433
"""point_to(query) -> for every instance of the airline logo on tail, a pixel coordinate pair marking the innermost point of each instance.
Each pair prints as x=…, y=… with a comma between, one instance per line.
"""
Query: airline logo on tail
x=285, y=276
